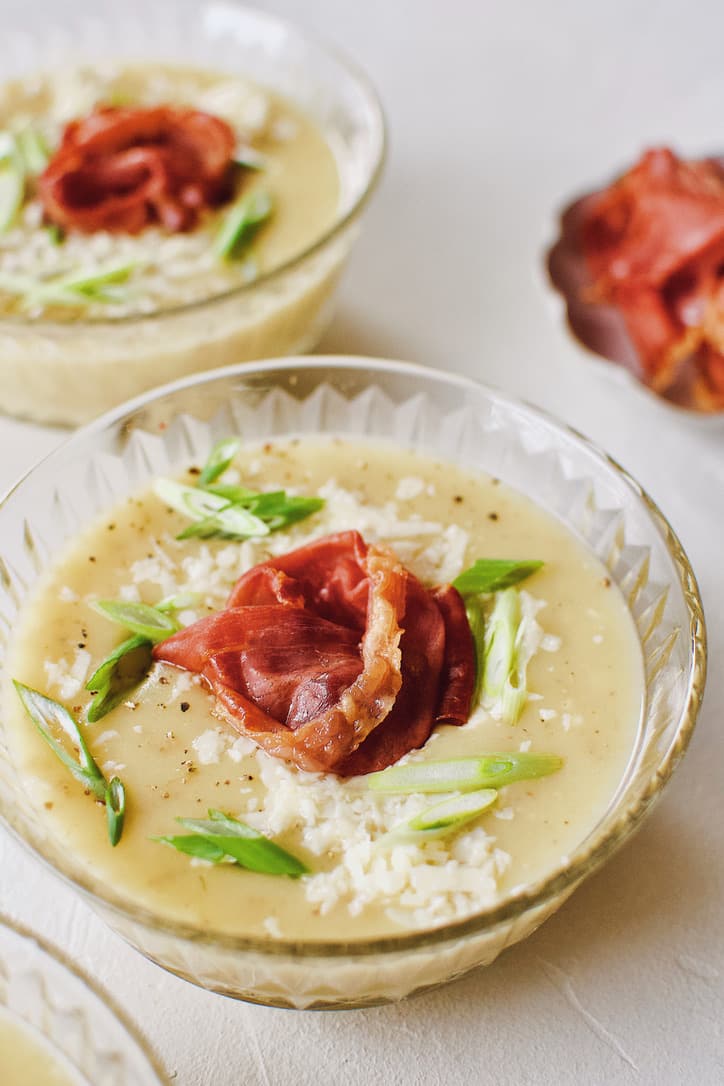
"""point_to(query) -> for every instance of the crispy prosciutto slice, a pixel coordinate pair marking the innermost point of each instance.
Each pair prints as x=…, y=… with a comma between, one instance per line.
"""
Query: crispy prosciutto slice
x=121, y=169
x=334, y=656
x=653, y=243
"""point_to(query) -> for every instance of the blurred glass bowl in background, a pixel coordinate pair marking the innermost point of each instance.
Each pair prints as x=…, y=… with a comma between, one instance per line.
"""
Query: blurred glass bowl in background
x=70, y=371
x=63, y=1016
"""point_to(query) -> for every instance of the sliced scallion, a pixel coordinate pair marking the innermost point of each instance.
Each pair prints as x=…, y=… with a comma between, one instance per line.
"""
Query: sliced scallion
x=139, y=618
x=464, y=774
x=220, y=459
x=179, y=601
x=221, y=838
x=115, y=809
x=12, y=186
x=249, y=158
x=504, y=670
x=493, y=575
x=121, y=671
x=241, y=224
x=33, y=150
x=48, y=715
x=78, y=287
x=441, y=819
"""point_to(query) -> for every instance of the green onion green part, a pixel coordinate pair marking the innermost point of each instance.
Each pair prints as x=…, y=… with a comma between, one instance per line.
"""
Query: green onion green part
x=48, y=715
x=220, y=458
x=106, y=284
x=139, y=618
x=464, y=774
x=493, y=575
x=115, y=809
x=241, y=224
x=12, y=183
x=221, y=838
x=233, y=512
x=121, y=671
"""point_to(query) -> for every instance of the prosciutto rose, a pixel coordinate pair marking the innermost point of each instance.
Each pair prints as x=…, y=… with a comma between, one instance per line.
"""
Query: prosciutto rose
x=122, y=169
x=334, y=656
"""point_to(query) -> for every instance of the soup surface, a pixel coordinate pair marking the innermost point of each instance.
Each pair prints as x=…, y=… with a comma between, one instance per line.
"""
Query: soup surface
x=292, y=163
x=26, y=1059
x=177, y=758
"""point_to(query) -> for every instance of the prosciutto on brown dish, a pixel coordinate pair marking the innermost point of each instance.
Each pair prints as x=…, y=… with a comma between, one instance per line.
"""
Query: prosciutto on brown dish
x=654, y=246
x=334, y=656
x=122, y=169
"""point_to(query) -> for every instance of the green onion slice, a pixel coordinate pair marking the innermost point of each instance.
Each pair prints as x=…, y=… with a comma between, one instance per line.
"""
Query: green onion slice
x=493, y=575
x=33, y=150
x=105, y=284
x=48, y=715
x=476, y=621
x=12, y=188
x=443, y=818
x=249, y=157
x=504, y=667
x=241, y=224
x=464, y=774
x=220, y=458
x=122, y=670
x=221, y=838
x=180, y=601
x=115, y=798
x=139, y=618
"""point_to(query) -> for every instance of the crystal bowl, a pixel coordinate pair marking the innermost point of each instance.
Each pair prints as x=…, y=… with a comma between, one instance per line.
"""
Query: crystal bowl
x=67, y=1015
x=68, y=372
x=451, y=418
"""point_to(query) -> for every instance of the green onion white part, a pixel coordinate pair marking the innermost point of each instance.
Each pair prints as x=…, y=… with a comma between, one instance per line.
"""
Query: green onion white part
x=441, y=819
x=464, y=774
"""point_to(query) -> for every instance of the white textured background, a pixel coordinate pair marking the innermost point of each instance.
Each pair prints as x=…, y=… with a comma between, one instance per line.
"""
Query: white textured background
x=498, y=112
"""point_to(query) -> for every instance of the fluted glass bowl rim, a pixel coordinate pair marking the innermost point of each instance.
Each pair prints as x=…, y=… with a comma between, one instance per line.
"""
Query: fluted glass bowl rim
x=545, y=889
x=93, y=992
x=374, y=172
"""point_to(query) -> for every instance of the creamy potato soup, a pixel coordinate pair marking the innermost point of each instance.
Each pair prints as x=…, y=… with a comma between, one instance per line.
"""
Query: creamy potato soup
x=26, y=1058
x=108, y=265
x=178, y=755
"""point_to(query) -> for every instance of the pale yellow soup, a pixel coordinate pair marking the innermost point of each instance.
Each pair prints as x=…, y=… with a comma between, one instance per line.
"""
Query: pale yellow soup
x=177, y=758
x=27, y=1059
x=299, y=171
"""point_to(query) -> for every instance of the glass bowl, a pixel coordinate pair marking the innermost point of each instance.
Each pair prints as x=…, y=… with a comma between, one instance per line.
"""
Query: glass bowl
x=451, y=418
x=68, y=372
x=65, y=1015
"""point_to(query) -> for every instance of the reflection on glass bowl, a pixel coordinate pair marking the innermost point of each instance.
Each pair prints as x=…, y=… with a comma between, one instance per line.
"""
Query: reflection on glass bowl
x=450, y=418
x=52, y=1014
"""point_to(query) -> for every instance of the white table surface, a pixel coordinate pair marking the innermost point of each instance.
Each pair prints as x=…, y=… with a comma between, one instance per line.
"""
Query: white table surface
x=497, y=114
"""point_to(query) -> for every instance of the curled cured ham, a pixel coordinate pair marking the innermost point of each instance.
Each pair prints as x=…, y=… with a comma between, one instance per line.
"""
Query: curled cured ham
x=654, y=247
x=122, y=169
x=334, y=656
